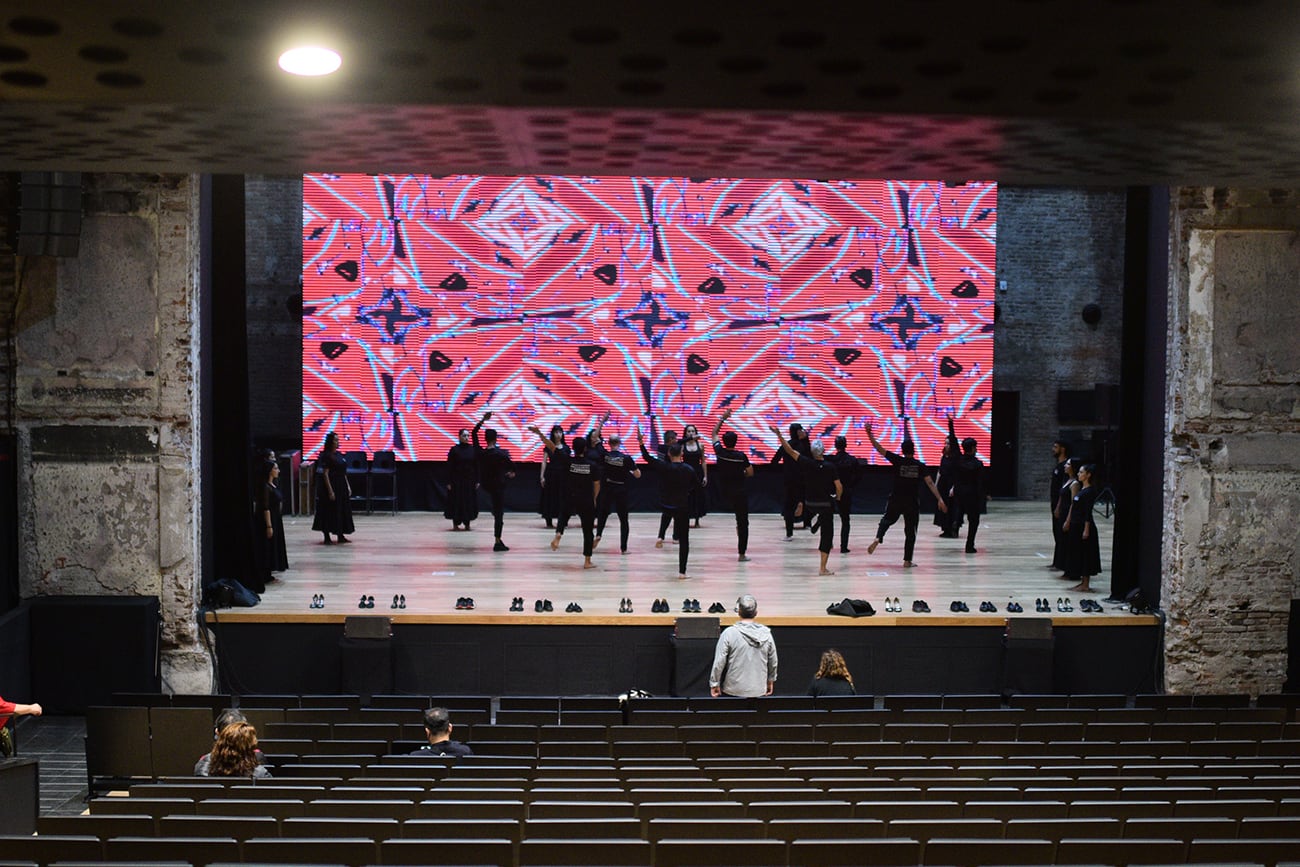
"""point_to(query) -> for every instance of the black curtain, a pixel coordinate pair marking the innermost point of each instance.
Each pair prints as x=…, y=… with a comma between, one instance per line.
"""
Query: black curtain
x=223, y=352
x=9, y=594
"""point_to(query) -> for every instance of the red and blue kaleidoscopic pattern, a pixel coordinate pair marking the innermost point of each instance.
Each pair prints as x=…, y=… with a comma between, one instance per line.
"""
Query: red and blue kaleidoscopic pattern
x=549, y=300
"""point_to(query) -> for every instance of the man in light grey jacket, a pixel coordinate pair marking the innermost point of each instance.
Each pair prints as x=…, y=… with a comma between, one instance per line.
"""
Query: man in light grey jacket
x=744, y=664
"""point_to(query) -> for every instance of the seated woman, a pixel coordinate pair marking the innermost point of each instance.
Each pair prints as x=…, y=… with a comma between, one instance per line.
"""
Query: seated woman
x=832, y=677
x=235, y=753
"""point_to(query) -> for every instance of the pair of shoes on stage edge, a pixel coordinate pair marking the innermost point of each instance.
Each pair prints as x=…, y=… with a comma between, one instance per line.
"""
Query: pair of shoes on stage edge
x=366, y=602
x=464, y=603
x=920, y=606
x=542, y=606
x=517, y=603
x=893, y=605
x=317, y=600
x=659, y=606
x=1042, y=605
x=1064, y=604
x=717, y=608
x=691, y=606
x=573, y=608
x=399, y=601
x=625, y=605
x=959, y=607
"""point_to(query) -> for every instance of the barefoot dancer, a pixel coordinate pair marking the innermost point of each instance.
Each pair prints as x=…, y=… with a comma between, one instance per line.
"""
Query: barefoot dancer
x=821, y=487
x=908, y=473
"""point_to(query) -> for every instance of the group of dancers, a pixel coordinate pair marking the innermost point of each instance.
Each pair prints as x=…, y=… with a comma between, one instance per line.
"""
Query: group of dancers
x=587, y=478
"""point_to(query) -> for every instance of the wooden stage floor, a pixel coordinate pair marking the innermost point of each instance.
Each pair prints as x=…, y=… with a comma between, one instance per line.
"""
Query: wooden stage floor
x=416, y=554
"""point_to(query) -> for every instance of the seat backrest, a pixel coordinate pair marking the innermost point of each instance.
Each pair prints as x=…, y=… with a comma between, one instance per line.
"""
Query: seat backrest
x=356, y=462
x=385, y=461
x=179, y=736
x=117, y=742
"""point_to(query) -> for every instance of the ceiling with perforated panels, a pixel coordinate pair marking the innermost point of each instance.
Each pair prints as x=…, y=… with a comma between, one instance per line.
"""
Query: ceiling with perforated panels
x=1020, y=91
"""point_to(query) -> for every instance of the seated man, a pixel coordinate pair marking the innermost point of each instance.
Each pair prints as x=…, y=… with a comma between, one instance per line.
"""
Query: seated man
x=227, y=717
x=437, y=727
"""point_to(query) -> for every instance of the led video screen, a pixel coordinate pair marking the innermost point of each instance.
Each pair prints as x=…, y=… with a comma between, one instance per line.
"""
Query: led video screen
x=664, y=301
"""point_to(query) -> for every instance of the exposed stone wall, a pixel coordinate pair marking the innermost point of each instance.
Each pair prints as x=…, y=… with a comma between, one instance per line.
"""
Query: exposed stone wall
x=1058, y=250
x=107, y=410
x=273, y=244
x=1231, y=535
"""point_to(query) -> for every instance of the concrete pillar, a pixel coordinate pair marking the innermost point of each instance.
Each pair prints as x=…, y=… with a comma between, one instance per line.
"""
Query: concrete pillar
x=107, y=411
x=1233, y=407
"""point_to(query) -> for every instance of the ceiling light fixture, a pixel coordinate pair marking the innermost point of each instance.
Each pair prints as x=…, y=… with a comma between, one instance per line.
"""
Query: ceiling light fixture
x=310, y=60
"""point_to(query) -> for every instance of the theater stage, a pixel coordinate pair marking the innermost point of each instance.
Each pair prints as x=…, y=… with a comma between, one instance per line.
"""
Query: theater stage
x=284, y=645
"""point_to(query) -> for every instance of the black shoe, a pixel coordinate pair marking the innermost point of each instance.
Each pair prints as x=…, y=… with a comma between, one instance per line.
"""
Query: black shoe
x=695, y=606
x=537, y=606
x=469, y=603
x=629, y=605
x=315, y=601
x=546, y=605
x=971, y=550
x=500, y=546
x=686, y=606
x=362, y=603
x=401, y=601
x=622, y=605
x=394, y=605
x=370, y=602
x=920, y=607
x=844, y=550
x=575, y=608
x=659, y=606
x=955, y=606
x=1015, y=608
x=717, y=608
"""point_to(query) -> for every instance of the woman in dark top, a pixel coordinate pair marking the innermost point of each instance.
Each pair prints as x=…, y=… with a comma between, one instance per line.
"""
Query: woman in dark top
x=268, y=528
x=832, y=677
x=1064, y=499
x=949, y=522
x=1084, y=555
x=554, y=466
x=333, y=494
x=693, y=456
x=462, y=481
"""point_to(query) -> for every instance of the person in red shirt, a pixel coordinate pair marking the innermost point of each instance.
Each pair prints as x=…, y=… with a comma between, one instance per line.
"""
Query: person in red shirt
x=8, y=710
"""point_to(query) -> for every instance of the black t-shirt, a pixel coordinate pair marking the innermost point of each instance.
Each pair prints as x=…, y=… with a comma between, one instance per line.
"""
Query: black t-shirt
x=850, y=467
x=970, y=477
x=792, y=470
x=494, y=463
x=444, y=748
x=908, y=473
x=580, y=482
x=833, y=686
x=618, y=467
x=676, y=480
x=557, y=463
x=819, y=481
x=730, y=470
x=1058, y=482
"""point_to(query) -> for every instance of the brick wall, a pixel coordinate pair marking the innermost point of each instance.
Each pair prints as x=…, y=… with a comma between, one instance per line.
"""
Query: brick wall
x=273, y=242
x=1058, y=250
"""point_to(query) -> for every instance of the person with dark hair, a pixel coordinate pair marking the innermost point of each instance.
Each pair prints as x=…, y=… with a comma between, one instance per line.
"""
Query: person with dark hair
x=676, y=481
x=437, y=728
x=1061, y=454
x=495, y=468
x=463, y=478
x=235, y=754
x=227, y=717
x=693, y=456
x=903, y=500
x=948, y=520
x=581, y=492
x=832, y=677
x=617, y=470
x=555, y=463
x=821, y=487
x=970, y=490
x=734, y=472
x=792, y=480
x=1083, y=557
x=270, y=553
x=745, y=661
x=1064, y=499
x=333, y=493
x=850, y=470
x=665, y=515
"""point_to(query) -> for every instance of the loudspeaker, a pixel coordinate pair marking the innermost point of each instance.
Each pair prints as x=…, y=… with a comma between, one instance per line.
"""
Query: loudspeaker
x=366, y=665
x=49, y=214
x=696, y=627
x=85, y=648
x=1028, y=656
x=367, y=627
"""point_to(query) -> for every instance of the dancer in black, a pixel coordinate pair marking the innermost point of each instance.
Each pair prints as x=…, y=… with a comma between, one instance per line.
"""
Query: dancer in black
x=850, y=469
x=734, y=472
x=903, y=501
x=555, y=463
x=1060, y=454
x=665, y=515
x=1064, y=500
x=333, y=494
x=676, y=481
x=462, y=479
x=618, y=469
x=581, y=490
x=693, y=456
x=970, y=490
x=792, y=480
x=1083, y=558
x=949, y=521
x=495, y=467
x=821, y=486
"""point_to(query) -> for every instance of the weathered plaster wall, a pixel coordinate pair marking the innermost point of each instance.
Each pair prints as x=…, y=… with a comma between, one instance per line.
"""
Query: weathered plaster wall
x=1231, y=536
x=107, y=410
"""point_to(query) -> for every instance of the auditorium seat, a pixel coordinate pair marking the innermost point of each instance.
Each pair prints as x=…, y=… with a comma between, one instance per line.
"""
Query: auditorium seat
x=447, y=851
x=854, y=853
x=453, y=829
x=48, y=849
x=279, y=809
x=824, y=829
x=660, y=828
x=236, y=827
x=720, y=853
x=1121, y=851
x=141, y=806
x=603, y=809
x=1243, y=851
x=101, y=826
x=979, y=851
x=516, y=810
x=199, y=851
x=714, y=810
x=350, y=851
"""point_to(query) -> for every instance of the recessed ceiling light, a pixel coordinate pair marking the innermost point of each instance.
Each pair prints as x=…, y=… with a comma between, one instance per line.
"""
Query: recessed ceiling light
x=310, y=60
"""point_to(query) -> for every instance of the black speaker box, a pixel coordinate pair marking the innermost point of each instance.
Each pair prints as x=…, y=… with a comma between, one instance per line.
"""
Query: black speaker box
x=85, y=648
x=1028, y=656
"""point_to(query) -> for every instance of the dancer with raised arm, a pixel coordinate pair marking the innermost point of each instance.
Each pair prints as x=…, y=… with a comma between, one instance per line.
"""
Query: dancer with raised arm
x=555, y=463
x=821, y=486
x=792, y=479
x=904, y=500
x=850, y=468
x=676, y=481
x=495, y=467
x=581, y=490
x=970, y=490
x=462, y=478
x=619, y=468
x=693, y=456
x=734, y=472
